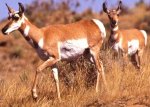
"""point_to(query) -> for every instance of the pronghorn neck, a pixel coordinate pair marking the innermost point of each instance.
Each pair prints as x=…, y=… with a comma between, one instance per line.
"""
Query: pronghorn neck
x=114, y=32
x=30, y=31
x=114, y=28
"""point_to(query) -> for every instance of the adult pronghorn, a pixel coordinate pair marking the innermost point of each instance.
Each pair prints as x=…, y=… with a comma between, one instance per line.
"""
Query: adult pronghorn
x=130, y=42
x=60, y=42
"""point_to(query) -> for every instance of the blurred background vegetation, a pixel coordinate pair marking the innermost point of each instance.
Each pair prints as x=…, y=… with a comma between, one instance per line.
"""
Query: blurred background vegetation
x=48, y=12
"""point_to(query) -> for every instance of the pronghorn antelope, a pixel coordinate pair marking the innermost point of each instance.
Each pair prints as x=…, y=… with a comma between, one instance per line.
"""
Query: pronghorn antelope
x=60, y=42
x=130, y=42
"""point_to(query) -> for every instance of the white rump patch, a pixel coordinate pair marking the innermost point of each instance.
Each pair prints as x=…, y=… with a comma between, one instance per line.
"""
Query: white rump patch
x=145, y=36
x=101, y=27
x=72, y=48
x=133, y=46
x=41, y=43
x=26, y=30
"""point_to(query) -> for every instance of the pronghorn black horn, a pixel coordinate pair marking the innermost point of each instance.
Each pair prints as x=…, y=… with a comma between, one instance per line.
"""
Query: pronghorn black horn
x=10, y=9
x=119, y=7
x=104, y=7
x=21, y=7
x=120, y=4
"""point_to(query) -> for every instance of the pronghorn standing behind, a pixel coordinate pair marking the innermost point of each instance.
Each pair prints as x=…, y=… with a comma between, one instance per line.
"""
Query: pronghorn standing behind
x=60, y=42
x=130, y=42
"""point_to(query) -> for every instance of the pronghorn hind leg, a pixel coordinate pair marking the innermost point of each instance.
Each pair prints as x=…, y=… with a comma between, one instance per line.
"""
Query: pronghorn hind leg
x=100, y=69
x=140, y=53
x=46, y=64
x=102, y=74
x=135, y=58
x=138, y=61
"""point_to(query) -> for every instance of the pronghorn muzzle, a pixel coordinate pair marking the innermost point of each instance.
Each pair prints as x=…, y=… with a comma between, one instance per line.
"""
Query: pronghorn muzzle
x=114, y=22
x=5, y=29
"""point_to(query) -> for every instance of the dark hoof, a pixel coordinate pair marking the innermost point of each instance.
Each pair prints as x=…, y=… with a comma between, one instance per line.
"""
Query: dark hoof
x=138, y=68
x=35, y=99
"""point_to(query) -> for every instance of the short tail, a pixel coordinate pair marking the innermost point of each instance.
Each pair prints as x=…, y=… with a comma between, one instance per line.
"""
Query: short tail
x=145, y=36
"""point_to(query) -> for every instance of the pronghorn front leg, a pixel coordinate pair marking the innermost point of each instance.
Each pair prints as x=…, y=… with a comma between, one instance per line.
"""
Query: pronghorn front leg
x=50, y=62
x=55, y=73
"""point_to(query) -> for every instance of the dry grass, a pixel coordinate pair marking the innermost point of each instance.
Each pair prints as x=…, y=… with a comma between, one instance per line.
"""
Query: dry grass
x=126, y=88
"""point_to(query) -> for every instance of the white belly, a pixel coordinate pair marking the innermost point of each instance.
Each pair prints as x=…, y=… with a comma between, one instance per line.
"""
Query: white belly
x=133, y=46
x=71, y=49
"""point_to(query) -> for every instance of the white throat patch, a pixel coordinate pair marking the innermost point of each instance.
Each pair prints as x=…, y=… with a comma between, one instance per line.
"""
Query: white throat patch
x=116, y=28
x=41, y=43
x=26, y=30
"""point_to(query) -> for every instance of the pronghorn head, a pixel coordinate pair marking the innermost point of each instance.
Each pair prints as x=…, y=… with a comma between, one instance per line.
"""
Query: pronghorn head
x=113, y=14
x=16, y=18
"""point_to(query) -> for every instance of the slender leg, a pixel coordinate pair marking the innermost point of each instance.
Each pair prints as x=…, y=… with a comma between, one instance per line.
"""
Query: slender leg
x=136, y=60
x=34, y=92
x=97, y=82
x=102, y=73
x=46, y=64
x=100, y=70
x=90, y=57
x=139, y=62
x=55, y=73
x=140, y=53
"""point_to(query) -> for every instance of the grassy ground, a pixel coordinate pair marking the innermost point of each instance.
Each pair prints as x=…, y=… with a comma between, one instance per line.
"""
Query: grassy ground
x=129, y=87
x=18, y=62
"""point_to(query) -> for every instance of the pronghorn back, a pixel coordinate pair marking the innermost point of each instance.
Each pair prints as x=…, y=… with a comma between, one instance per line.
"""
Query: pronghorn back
x=81, y=29
x=73, y=42
x=133, y=34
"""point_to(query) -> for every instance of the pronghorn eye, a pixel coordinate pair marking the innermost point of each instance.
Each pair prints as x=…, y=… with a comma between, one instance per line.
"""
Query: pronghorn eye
x=16, y=18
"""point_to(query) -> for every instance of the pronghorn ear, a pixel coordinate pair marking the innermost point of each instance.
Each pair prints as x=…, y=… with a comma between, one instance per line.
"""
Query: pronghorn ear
x=21, y=8
x=10, y=9
x=119, y=7
x=105, y=8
